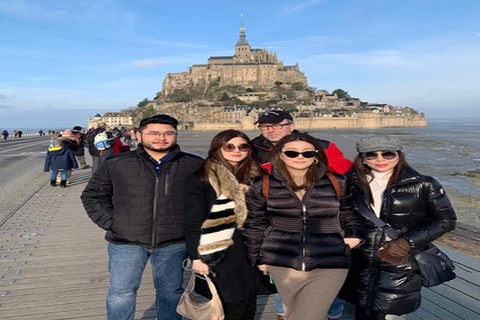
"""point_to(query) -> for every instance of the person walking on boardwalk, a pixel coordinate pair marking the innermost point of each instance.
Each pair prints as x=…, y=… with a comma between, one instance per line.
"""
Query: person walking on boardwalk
x=68, y=142
x=5, y=134
x=60, y=160
x=138, y=197
x=80, y=153
x=384, y=279
x=221, y=182
x=300, y=228
x=274, y=125
x=100, y=142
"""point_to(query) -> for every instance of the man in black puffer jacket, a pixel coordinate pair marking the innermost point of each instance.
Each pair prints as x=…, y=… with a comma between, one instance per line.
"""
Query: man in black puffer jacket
x=138, y=198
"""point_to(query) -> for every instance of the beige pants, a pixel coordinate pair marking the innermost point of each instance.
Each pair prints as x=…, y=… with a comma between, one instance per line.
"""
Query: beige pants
x=307, y=295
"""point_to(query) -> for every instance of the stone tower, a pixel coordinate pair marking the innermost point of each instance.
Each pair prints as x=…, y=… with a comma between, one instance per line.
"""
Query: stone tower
x=242, y=48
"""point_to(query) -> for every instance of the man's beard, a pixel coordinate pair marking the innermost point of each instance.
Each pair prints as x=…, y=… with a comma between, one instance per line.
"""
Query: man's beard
x=159, y=149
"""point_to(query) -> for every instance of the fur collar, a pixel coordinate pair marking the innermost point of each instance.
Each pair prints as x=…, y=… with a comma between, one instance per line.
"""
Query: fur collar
x=224, y=182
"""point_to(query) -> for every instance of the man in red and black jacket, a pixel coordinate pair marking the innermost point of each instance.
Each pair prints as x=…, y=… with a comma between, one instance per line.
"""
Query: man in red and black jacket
x=277, y=124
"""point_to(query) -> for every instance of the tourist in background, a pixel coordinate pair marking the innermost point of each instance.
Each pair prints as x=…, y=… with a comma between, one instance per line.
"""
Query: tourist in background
x=385, y=280
x=222, y=181
x=59, y=160
x=80, y=153
x=5, y=134
x=139, y=199
x=99, y=155
x=69, y=142
x=307, y=255
x=133, y=137
x=274, y=125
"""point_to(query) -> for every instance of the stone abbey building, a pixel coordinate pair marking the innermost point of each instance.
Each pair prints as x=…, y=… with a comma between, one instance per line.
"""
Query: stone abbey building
x=251, y=68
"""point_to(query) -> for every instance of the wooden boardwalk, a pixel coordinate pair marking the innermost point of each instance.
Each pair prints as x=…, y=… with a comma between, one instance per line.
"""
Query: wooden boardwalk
x=53, y=265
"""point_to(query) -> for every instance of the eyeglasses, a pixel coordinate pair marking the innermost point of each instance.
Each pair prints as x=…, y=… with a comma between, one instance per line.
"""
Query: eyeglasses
x=159, y=134
x=305, y=154
x=387, y=155
x=230, y=147
x=277, y=126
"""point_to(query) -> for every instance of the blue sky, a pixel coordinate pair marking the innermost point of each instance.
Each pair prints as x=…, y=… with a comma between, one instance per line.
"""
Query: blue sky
x=62, y=62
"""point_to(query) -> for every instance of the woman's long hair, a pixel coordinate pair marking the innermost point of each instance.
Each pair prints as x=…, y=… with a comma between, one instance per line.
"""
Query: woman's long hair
x=364, y=172
x=245, y=168
x=311, y=176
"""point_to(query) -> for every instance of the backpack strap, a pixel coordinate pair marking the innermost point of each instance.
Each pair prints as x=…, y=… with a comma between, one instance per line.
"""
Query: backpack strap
x=335, y=183
x=265, y=186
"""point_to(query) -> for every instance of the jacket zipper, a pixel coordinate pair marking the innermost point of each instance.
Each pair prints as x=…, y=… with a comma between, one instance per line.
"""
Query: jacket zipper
x=304, y=232
x=155, y=206
x=167, y=183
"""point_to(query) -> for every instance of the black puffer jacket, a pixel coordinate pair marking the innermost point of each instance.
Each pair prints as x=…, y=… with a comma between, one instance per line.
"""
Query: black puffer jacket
x=418, y=208
x=127, y=198
x=303, y=235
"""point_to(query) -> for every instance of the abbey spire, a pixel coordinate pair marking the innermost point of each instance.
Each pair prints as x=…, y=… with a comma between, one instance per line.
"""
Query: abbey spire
x=243, y=39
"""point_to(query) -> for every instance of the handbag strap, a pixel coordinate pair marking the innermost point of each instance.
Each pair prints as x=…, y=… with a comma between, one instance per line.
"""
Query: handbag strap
x=265, y=186
x=213, y=289
x=335, y=183
x=367, y=213
x=191, y=284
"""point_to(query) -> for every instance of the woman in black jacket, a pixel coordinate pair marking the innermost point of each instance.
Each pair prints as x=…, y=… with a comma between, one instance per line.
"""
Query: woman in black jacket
x=303, y=232
x=215, y=211
x=385, y=280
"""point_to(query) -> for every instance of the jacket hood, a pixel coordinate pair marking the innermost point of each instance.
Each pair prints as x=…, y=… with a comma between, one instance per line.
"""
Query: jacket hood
x=57, y=150
x=68, y=138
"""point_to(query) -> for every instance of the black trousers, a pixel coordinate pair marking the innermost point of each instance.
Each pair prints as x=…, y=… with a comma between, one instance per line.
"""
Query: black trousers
x=240, y=311
x=365, y=314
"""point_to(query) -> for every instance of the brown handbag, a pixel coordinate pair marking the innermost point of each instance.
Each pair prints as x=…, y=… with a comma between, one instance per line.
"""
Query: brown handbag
x=191, y=308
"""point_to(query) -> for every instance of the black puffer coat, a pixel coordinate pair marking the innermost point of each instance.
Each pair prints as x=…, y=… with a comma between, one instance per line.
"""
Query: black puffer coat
x=126, y=197
x=417, y=207
x=303, y=235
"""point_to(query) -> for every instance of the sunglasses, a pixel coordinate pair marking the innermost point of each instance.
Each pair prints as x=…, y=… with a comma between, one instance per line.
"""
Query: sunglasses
x=305, y=154
x=230, y=147
x=387, y=155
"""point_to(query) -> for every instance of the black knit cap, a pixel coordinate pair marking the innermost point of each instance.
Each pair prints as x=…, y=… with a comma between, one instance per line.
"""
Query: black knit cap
x=273, y=116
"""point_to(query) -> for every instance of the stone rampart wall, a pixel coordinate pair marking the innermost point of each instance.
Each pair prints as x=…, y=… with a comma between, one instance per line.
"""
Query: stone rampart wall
x=370, y=121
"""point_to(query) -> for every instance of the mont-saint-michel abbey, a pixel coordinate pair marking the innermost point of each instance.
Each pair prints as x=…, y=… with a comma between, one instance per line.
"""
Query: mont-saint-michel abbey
x=231, y=91
x=248, y=68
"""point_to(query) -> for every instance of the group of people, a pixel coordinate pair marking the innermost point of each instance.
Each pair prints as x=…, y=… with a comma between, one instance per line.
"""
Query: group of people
x=284, y=204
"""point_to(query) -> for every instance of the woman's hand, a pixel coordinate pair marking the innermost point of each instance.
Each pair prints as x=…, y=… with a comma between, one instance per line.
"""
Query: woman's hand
x=352, y=242
x=200, y=268
x=244, y=186
x=263, y=268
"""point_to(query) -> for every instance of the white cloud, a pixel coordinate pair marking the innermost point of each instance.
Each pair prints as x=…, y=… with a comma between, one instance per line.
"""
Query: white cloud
x=146, y=63
x=89, y=12
x=30, y=11
x=183, y=59
x=301, y=6
x=308, y=42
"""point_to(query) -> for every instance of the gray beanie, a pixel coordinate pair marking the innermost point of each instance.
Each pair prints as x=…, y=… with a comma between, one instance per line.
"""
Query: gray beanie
x=377, y=143
x=56, y=141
